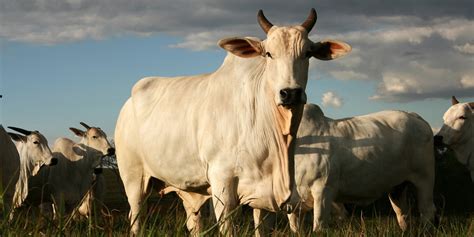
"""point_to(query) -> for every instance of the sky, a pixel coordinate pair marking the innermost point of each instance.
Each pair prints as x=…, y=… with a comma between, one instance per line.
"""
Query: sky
x=67, y=61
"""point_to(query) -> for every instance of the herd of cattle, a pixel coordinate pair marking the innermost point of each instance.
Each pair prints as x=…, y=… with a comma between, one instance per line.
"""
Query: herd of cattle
x=241, y=135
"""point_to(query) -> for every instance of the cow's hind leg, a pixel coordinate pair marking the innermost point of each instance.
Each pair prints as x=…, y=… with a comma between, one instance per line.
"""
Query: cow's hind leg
x=136, y=191
x=135, y=183
x=295, y=220
x=398, y=199
x=193, y=203
x=338, y=211
x=323, y=198
x=424, y=193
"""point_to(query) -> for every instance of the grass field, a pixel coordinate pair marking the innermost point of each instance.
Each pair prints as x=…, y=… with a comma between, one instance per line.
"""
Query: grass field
x=169, y=220
x=454, y=197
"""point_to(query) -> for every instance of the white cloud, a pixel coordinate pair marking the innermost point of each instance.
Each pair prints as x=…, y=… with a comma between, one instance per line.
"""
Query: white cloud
x=412, y=59
x=466, y=48
x=399, y=85
x=348, y=75
x=199, y=41
x=330, y=99
x=413, y=35
x=467, y=81
x=455, y=29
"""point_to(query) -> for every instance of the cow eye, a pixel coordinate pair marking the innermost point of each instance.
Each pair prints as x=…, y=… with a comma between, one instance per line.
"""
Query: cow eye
x=462, y=117
x=36, y=142
x=268, y=54
x=95, y=137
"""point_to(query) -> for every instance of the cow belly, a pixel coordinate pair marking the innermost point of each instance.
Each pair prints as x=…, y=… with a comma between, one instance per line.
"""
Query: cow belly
x=176, y=168
x=368, y=183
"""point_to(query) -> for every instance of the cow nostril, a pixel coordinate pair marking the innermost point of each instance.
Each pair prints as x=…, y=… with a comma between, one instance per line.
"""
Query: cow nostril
x=284, y=94
x=111, y=151
x=293, y=96
x=54, y=161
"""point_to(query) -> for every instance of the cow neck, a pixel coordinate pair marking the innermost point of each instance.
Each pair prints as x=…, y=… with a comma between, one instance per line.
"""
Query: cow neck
x=26, y=170
x=25, y=162
x=464, y=152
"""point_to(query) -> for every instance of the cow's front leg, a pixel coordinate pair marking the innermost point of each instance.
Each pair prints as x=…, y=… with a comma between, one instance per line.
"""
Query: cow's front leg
x=323, y=198
x=224, y=199
x=259, y=219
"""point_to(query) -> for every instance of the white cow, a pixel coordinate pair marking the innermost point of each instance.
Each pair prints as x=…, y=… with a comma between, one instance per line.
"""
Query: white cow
x=458, y=132
x=72, y=179
x=34, y=152
x=353, y=160
x=9, y=169
x=229, y=131
x=358, y=159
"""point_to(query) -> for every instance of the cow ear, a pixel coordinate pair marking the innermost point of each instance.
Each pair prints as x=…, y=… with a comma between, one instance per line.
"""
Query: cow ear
x=77, y=132
x=454, y=100
x=17, y=137
x=329, y=50
x=242, y=47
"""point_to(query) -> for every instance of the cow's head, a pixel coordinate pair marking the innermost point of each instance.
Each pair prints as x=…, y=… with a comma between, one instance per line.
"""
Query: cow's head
x=95, y=139
x=458, y=122
x=33, y=149
x=287, y=51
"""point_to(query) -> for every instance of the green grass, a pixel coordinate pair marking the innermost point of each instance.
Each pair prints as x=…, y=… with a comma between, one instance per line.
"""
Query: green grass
x=165, y=216
x=169, y=220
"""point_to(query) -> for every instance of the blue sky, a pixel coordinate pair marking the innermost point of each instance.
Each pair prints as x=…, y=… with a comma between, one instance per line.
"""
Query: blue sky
x=62, y=64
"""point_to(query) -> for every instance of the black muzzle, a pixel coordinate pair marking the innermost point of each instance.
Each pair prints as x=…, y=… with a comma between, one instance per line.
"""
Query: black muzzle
x=292, y=96
x=110, y=151
x=54, y=161
x=438, y=141
x=98, y=170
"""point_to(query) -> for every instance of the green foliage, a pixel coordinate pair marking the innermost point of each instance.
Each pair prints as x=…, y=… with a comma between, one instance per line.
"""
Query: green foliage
x=170, y=221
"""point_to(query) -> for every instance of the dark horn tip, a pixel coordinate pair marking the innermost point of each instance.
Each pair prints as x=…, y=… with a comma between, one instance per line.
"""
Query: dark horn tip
x=311, y=20
x=313, y=12
x=20, y=130
x=263, y=21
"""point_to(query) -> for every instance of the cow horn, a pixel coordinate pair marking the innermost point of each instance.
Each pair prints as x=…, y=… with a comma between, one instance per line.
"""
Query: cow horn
x=85, y=125
x=454, y=100
x=310, y=21
x=263, y=22
x=21, y=130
